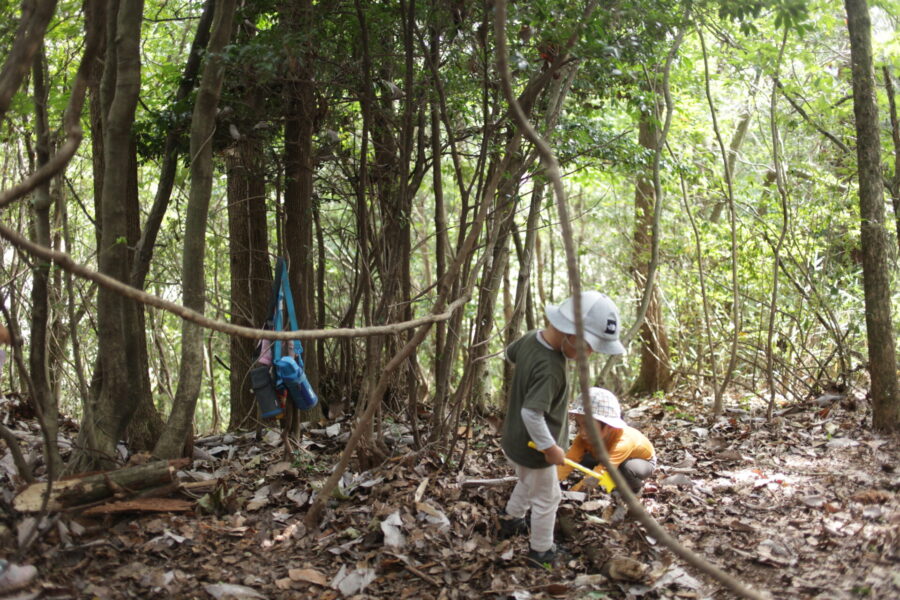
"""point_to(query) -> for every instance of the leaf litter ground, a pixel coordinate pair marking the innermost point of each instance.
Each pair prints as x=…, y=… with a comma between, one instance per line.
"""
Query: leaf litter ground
x=802, y=506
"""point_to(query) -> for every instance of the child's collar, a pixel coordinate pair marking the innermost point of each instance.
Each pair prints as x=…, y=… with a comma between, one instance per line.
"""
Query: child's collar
x=543, y=341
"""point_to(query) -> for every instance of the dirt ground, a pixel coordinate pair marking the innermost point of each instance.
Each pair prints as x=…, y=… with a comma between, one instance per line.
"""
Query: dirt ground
x=803, y=506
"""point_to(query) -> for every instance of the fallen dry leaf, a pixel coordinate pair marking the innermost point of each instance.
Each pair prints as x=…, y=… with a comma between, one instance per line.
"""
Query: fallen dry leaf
x=309, y=576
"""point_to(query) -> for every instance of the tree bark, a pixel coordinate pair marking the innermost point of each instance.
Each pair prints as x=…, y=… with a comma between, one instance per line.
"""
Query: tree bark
x=39, y=348
x=36, y=15
x=97, y=486
x=203, y=122
x=873, y=235
x=243, y=189
x=300, y=126
x=654, y=374
x=108, y=414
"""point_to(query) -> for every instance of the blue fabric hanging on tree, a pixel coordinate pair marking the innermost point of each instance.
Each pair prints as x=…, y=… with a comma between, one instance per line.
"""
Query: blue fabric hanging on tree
x=280, y=370
x=289, y=368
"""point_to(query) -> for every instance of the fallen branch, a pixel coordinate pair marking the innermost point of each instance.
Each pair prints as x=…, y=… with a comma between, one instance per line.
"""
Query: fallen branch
x=94, y=487
x=488, y=482
x=166, y=505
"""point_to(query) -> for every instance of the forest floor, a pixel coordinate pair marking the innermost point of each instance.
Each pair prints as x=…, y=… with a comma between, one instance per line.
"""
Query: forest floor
x=803, y=506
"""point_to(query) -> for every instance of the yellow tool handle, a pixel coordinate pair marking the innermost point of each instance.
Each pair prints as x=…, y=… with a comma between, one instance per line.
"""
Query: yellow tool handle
x=604, y=478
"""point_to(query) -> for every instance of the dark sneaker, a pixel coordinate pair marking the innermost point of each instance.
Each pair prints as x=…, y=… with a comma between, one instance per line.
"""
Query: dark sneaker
x=619, y=514
x=512, y=526
x=543, y=560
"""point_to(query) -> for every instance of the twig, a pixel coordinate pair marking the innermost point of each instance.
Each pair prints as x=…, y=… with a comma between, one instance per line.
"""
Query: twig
x=422, y=575
x=489, y=482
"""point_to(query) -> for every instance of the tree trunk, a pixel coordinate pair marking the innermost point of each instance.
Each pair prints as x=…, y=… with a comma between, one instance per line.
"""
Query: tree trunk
x=190, y=374
x=525, y=256
x=146, y=425
x=250, y=285
x=39, y=348
x=654, y=370
x=108, y=414
x=251, y=274
x=894, y=186
x=873, y=235
x=300, y=125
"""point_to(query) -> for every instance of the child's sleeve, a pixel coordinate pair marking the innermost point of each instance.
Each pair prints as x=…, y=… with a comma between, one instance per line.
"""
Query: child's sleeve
x=576, y=453
x=537, y=428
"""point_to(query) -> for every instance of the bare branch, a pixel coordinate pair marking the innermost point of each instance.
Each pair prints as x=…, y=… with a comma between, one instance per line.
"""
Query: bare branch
x=36, y=14
x=65, y=262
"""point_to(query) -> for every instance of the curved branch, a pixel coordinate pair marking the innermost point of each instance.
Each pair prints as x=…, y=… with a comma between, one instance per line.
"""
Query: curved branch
x=36, y=15
x=71, y=123
x=65, y=262
x=48, y=170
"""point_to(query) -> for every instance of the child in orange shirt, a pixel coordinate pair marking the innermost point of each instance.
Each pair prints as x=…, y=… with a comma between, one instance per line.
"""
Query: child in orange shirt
x=629, y=449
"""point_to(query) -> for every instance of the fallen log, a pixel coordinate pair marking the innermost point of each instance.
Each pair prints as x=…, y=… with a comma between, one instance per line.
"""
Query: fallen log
x=93, y=487
x=167, y=505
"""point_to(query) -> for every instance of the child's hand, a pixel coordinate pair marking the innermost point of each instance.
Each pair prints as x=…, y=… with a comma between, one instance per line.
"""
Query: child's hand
x=554, y=455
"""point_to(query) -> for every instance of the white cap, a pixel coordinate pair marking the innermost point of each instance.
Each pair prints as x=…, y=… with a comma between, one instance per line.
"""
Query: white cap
x=600, y=317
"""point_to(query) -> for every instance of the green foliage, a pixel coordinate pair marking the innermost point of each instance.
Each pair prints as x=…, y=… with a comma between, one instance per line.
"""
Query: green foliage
x=788, y=14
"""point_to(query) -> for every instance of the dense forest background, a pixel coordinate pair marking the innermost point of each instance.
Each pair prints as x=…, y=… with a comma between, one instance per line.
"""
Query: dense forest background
x=436, y=173
x=710, y=157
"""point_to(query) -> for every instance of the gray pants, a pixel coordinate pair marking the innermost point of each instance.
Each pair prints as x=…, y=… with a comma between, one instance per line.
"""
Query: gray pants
x=634, y=470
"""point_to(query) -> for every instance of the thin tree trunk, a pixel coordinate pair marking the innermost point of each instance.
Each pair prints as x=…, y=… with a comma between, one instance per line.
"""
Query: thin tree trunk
x=300, y=126
x=146, y=425
x=737, y=140
x=785, y=220
x=876, y=278
x=718, y=402
x=895, y=137
x=654, y=374
x=190, y=374
x=168, y=167
x=39, y=348
x=241, y=176
x=441, y=241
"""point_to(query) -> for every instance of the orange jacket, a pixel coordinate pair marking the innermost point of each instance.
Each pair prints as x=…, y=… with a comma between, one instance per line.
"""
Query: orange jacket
x=632, y=444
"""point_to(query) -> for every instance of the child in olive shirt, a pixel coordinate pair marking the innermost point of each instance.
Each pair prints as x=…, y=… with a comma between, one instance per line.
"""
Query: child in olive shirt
x=537, y=411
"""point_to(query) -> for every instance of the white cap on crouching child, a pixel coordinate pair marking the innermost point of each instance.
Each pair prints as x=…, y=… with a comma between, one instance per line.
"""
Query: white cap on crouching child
x=600, y=317
x=604, y=407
